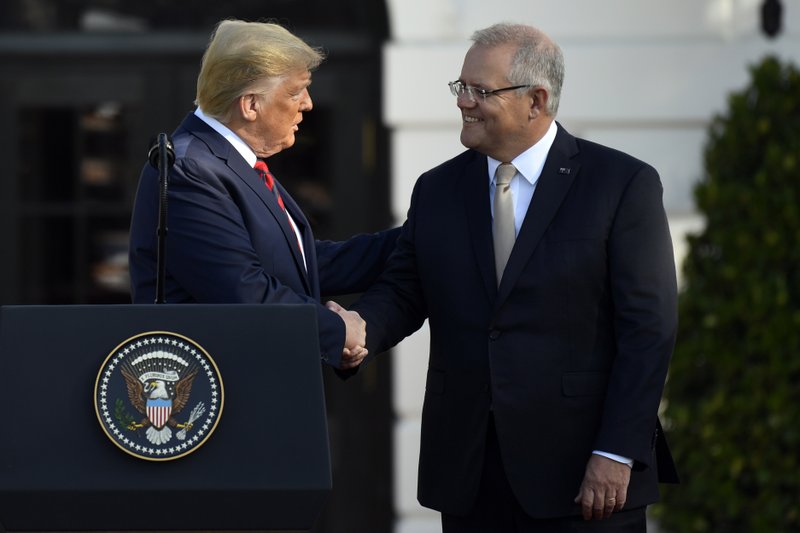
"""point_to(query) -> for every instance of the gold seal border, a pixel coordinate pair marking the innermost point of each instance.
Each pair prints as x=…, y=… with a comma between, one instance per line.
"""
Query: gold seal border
x=100, y=375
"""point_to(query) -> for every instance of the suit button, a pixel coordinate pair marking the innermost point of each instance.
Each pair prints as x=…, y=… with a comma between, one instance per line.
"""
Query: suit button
x=494, y=334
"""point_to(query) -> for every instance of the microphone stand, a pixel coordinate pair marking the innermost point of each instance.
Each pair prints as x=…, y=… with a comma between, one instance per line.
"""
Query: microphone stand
x=162, y=157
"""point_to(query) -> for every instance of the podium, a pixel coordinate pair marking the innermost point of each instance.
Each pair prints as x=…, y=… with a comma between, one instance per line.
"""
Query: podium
x=262, y=465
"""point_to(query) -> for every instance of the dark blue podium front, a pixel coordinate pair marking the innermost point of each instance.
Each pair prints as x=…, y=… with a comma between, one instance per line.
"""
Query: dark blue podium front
x=266, y=467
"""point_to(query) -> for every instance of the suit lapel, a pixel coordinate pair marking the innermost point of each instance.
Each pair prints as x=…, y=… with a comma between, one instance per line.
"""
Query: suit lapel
x=555, y=181
x=222, y=149
x=475, y=191
x=253, y=180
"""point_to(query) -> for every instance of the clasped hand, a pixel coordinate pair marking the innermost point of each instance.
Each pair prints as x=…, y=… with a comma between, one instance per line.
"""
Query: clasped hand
x=354, y=350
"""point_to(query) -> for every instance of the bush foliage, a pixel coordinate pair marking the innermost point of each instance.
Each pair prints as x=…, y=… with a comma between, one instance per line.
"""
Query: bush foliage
x=733, y=395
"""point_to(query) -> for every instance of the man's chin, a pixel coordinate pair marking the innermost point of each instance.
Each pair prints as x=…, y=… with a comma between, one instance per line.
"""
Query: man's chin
x=469, y=140
x=288, y=142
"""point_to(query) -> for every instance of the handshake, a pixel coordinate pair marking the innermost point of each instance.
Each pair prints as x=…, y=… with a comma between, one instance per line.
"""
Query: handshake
x=356, y=337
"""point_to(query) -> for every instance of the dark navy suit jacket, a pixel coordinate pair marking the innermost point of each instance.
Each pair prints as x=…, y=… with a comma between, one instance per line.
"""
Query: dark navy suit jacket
x=230, y=242
x=570, y=352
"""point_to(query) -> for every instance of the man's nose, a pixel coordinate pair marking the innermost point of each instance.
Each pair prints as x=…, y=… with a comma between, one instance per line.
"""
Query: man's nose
x=307, y=104
x=465, y=100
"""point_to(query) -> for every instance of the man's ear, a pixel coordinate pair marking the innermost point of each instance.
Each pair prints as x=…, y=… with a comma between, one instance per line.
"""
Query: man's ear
x=247, y=107
x=539, y=97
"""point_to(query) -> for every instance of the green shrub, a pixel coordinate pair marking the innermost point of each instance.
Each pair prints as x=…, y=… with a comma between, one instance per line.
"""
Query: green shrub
x=733, y=395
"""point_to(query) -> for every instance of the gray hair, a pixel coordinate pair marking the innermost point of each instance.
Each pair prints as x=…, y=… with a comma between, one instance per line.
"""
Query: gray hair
x=537, y=61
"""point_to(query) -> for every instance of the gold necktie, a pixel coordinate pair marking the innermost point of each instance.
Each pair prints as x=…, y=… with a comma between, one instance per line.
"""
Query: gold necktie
x=503, y=228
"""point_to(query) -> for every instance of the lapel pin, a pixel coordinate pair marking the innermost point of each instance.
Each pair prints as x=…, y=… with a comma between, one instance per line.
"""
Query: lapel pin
x=564, y=170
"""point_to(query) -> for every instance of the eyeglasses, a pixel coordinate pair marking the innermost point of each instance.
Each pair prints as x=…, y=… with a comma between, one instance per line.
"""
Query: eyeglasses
x=458, y=88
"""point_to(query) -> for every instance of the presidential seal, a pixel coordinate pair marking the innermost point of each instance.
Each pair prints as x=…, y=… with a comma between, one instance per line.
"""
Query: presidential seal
x=158, y=396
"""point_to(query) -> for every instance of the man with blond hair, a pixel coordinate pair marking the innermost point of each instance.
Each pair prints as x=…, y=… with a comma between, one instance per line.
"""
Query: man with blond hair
x=235, y=234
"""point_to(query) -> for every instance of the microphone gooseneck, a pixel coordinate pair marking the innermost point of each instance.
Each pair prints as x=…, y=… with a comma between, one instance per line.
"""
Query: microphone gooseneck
x=161, y=156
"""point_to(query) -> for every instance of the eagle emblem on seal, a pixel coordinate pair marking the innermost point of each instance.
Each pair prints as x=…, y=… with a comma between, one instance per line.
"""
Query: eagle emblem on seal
x=150, y=394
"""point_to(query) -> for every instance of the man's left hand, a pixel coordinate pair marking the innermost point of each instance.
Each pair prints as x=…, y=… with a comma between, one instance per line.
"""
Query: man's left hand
x=604, y=487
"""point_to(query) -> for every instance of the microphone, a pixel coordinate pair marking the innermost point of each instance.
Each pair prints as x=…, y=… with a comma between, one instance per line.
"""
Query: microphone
x=159, y=144
x=161, y=156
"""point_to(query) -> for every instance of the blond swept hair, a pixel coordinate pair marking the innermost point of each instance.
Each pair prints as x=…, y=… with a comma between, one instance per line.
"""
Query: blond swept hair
x=248, y=57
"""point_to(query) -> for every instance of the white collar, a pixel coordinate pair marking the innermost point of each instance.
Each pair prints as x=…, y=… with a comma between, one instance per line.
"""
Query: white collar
x=246, y=152
x=530, y=162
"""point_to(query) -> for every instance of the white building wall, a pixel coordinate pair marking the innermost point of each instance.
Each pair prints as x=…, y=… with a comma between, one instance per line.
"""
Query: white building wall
x=644, y=76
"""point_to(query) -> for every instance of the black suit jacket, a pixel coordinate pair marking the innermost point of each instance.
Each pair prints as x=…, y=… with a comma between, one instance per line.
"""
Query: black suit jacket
x=570, y=352
x=230, y=242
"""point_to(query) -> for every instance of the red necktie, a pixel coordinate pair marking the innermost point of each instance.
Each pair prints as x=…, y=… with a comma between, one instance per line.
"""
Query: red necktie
x=269, y=181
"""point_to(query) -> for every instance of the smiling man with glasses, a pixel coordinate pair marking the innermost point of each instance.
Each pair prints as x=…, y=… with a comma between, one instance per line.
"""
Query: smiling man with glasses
x=543, y=264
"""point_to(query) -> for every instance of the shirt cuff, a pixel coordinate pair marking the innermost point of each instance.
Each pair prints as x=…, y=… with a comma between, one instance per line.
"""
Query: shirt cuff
x=614, y=457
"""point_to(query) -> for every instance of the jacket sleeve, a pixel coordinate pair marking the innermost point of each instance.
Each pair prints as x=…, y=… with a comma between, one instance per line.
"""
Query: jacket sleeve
x=353, y=265
x=644, y=293
x=394, y=306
